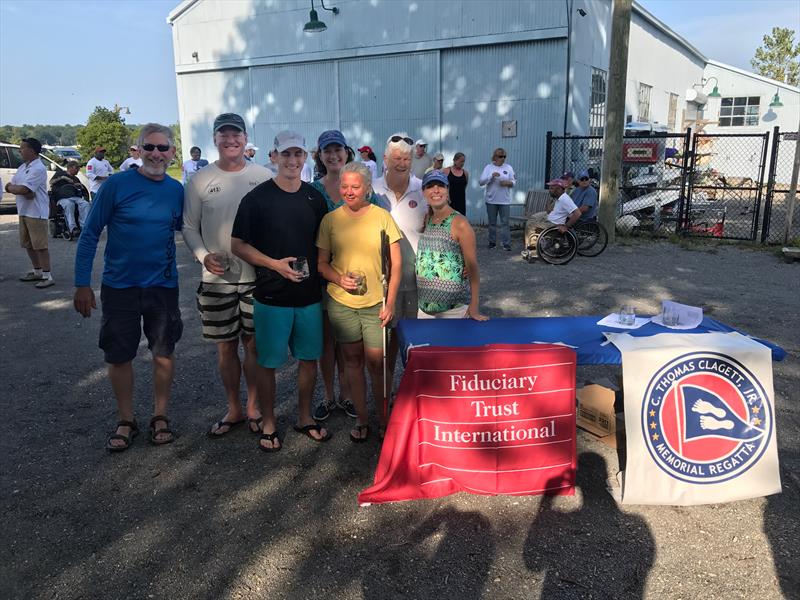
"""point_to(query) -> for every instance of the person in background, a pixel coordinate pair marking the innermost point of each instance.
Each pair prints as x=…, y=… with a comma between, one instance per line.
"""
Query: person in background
x=250, y=151
x=421, y=160
x=141, y=210
x=438, y=163
x=69, y=193
x=272, y=165
x=402, y=194
x=448, y=279
x=350, y=251
x=98, y=169
x=309, y=174
x=132, y=162
x=29, y=185
x=585, y=198
x=193, y=165
x=564, y=214
x=369, y=159
x=276, y=226
x=568, y=177
x=458, y=178
x=498, y=178
x=225, y=295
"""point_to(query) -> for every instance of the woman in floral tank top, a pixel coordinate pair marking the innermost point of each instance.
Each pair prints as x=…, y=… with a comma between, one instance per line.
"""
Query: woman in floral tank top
x=448, y=281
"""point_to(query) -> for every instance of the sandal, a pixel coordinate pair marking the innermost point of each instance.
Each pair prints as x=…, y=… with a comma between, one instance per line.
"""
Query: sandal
x=215, y=432
x=127, y=439
x=257, y=423
x=270, y=437
x=363, y=431
x=307, y=429
x=156, y=432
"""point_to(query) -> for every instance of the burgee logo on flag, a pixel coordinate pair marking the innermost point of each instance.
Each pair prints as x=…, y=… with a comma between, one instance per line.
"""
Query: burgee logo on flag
x=699, y=424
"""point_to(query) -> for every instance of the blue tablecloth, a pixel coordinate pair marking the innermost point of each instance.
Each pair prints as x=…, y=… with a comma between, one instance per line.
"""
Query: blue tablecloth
x=581, y=332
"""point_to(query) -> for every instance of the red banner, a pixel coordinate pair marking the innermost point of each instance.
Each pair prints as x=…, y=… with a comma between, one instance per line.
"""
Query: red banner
x=497, y=419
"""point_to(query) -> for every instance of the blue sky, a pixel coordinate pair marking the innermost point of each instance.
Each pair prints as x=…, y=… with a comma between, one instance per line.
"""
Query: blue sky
x=101, y=52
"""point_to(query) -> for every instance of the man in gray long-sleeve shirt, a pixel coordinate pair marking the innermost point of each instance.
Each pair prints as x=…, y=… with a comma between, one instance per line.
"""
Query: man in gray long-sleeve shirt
x=225, y=296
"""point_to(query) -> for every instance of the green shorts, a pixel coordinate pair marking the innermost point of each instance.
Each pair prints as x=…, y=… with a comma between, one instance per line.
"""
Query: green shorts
x=356, y=324
x=279, y=327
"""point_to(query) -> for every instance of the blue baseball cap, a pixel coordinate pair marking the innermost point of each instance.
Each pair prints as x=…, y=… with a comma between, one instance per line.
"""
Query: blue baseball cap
x=437, y=176
x=332, y=136
x=583, y=174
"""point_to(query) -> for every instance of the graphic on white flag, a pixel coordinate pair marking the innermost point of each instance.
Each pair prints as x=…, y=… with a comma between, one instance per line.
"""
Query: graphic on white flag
x=699, y=424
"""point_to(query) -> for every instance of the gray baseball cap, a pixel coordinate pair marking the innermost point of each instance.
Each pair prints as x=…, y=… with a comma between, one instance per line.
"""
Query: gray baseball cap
x=289, y=139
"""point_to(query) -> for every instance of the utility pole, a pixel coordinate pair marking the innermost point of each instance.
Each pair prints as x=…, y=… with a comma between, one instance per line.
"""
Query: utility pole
x=615, y=116
x=791, y=196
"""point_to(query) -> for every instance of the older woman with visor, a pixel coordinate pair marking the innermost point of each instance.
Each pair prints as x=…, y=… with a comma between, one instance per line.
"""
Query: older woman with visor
x=448, y=280
x=350, y=245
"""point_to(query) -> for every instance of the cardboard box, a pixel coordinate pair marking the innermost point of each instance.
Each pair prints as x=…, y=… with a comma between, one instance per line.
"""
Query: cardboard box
x=596, y=410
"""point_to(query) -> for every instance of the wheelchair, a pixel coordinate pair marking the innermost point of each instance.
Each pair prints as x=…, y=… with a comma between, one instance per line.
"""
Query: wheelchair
x=584, y=239
x=58, y=222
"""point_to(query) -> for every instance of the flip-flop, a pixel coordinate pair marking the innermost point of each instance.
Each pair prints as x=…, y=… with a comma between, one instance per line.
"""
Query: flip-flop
x=214, y=432
x=127, y=439
x=307, y=429
x=363, y=430
x=155, y=432
x=269, y=437
x=257, y=423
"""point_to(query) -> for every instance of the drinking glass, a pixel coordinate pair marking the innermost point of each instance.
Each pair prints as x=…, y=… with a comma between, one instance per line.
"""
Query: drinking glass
x=300, y=266
x=361, y=282
x=223, y=260
x=627, y=315
x=669, y=316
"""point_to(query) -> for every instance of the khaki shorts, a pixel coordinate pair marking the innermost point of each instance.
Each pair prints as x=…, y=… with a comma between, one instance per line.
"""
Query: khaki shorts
x=33, y=233
x=406, y=306
x=352, y=325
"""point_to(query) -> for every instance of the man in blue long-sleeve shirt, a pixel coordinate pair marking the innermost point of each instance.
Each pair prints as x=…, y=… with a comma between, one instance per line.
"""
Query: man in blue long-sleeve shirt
x=141, y=208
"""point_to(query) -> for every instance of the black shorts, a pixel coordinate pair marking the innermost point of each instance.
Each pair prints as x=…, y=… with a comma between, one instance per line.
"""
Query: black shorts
x=124, y=309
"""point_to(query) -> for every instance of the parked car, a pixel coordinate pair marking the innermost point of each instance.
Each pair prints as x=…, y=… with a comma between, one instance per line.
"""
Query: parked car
x=11, y=159
x=65, y=153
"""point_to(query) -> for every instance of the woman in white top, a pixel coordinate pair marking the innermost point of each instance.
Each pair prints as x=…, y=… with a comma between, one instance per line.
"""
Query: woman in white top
x=368, y=160
x=498, y=178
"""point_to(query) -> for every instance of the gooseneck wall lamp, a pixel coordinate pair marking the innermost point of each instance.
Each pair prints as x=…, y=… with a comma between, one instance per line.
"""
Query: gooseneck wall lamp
x=714, y=92
x=314, y=25
x=776, y=100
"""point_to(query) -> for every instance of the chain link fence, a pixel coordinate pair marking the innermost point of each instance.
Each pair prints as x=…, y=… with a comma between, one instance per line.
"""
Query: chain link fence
x=732, y=186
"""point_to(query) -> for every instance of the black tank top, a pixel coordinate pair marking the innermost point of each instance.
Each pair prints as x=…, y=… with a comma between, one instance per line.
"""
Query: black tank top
x=458, y=192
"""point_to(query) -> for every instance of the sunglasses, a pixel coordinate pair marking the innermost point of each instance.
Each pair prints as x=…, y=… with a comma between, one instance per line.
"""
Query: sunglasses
x=584, y=179
x=151, y=147
x=500, y=155
x=397, y=138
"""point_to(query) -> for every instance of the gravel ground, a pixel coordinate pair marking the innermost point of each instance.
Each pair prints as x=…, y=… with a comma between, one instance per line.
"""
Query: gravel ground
x=207, y=518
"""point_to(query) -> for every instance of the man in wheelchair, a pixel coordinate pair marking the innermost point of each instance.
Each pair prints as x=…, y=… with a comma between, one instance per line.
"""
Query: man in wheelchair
x=69, y=193
x=563, y=214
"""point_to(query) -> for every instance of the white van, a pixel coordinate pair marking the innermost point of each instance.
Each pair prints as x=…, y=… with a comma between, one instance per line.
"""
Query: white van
x=11, y=159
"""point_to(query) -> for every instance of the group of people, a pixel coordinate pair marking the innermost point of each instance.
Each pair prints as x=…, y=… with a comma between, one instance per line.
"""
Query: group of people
x=324, y=270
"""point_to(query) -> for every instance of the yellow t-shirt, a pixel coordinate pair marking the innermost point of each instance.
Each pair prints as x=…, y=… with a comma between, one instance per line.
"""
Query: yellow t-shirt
x=355, y=245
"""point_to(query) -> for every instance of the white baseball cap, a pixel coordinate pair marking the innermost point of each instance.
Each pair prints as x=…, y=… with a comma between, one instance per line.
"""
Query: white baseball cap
x=250, y=146
x=289, y=139
x=421, y=142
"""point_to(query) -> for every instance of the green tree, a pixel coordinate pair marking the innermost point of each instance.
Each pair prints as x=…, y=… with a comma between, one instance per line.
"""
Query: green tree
x=105, y=128
x=777, y=58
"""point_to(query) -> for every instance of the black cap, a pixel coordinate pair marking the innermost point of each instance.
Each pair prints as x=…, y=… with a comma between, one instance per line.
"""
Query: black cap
x=229, y=120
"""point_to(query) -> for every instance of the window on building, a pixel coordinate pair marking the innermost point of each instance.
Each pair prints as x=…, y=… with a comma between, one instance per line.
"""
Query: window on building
x=644, y=101
x=672, y=113
x=597, y=111
x=740, y=111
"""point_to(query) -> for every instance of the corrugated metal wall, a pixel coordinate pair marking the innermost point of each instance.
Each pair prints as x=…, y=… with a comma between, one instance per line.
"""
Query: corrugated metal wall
x=471, y=90
x=301, y=97
x=383, y=95
x=484, y=86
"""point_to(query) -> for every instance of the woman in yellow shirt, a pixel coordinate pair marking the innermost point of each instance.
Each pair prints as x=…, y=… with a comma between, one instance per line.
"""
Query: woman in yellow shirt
x=349, y=243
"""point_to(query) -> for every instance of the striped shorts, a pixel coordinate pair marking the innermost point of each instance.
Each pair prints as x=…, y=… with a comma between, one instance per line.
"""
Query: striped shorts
x=226, y=310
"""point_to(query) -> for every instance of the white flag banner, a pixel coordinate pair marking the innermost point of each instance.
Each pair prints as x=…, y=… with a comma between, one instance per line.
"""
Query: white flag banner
x=699, y=418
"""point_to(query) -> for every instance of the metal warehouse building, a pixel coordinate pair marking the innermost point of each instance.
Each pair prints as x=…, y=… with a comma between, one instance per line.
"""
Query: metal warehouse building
x=467, y=76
